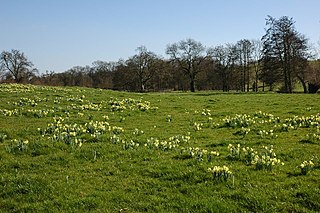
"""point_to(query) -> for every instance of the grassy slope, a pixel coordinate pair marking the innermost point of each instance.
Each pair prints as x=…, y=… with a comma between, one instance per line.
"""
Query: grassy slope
x=101, y=176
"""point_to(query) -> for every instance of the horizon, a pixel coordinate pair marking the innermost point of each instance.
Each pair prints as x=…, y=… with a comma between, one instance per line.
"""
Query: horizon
x=58, y=35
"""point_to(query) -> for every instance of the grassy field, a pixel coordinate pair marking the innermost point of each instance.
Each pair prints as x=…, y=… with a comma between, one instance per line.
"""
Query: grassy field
x=80, y=150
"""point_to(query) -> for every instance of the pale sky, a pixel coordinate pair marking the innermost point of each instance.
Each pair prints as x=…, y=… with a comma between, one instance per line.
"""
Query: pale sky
x=59, y=34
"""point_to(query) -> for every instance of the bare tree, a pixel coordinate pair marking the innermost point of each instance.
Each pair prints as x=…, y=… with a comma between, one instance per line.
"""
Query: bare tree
x=15, y=64
x=256, y=61
x=226, y=58
x=189, y=54
x=244, y=50
x=300, y=61
x=101, y=74
x=164, y=78
x=220, y=55
x=284, y=47
x=143, y=65
x=123, y=77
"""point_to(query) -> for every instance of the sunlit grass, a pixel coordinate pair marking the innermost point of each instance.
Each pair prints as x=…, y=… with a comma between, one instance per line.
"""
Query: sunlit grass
x=152, y=151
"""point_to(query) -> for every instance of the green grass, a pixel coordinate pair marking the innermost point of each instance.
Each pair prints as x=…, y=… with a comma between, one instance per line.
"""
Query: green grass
x=101, y=176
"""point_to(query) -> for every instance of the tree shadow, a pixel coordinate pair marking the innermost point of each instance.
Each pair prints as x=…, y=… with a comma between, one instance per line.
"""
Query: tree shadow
x=294, y=174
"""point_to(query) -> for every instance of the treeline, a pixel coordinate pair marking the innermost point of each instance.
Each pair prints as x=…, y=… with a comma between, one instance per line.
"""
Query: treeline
x=282, y=57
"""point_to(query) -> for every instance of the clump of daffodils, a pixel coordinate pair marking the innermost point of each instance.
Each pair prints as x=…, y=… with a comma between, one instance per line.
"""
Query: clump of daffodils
x=17, y=146
x=117, y=130
x=238, y=121
x=249, y=154
x=220, y=173
x=115, y=139
x=242, y=132
x=304, y=122
x=9, y=113
x=200, y=154
x=129, y=104
x=72, y=133
x=306, y=166
x=267, y=134
x=234, y=151
x=206, y=112
x=2, y=137
x=169, y=144
x=197, y=126
x=314, y=138
x=266, y=160
x=129, y=144
x=137, y=132
x=286, y=127
x=169, y=118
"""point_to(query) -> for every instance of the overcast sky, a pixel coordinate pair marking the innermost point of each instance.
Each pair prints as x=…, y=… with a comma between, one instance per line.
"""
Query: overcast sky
x=59, y=34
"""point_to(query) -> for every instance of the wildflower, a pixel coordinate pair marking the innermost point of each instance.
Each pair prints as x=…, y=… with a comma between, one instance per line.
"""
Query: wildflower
x=220, y=173
x=306, y=166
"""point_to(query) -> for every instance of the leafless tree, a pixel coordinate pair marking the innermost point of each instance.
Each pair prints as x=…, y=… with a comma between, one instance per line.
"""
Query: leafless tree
x=245, y=48
x=256, y=61
x=284, y=49
x=189, y=54
x=226, y=57
x=101, y=74
x=144, y=65
x=16, y=64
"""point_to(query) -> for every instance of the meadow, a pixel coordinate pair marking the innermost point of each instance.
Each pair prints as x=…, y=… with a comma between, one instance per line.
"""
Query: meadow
x=80, y=150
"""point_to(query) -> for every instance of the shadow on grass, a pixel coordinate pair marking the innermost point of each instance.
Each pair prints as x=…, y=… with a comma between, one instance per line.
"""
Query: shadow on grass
x=294, y=174
x=182, y=157
x=308, y=141
x=224, y=143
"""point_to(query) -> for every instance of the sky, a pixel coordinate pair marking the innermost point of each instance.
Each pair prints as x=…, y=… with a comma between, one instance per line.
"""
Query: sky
x=56, y=35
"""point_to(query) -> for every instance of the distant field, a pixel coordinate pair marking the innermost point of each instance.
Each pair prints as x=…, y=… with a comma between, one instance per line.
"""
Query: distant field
x=80, y=150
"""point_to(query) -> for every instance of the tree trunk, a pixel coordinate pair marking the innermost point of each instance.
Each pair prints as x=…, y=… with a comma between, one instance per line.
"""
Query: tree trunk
x=305, y=89
x=286, y=82
x=142, y=88
x=256, y=83
x=270, y=87
x=192, y=85
x=248, y=79
x=290, y=85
